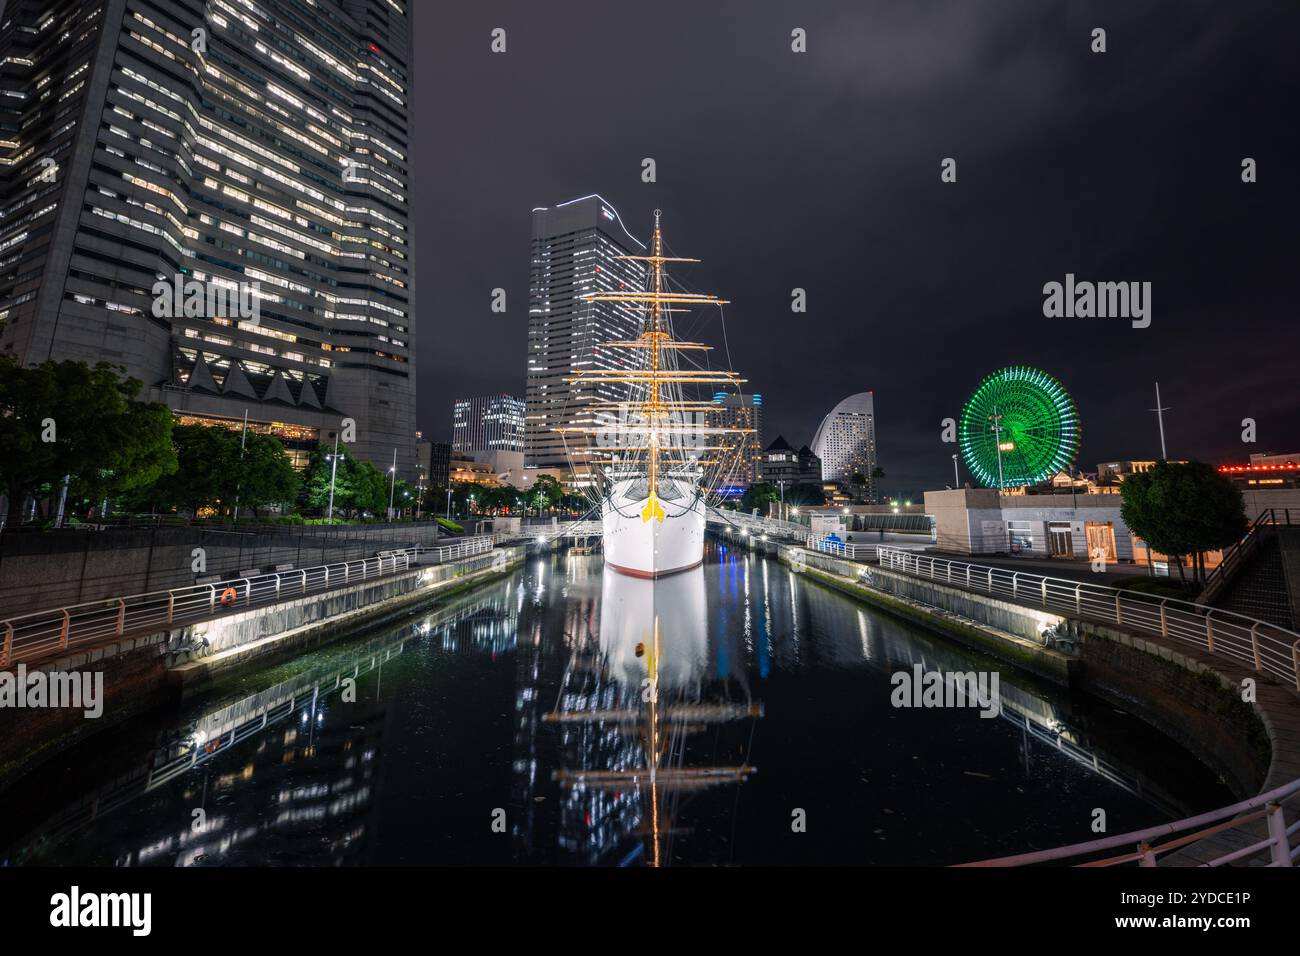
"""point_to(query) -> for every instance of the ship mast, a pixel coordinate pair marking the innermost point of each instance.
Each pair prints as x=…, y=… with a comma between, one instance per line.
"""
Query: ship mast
x=661, y=407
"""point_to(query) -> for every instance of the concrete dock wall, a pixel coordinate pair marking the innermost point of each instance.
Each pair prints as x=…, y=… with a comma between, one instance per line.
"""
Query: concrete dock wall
x=58, y=568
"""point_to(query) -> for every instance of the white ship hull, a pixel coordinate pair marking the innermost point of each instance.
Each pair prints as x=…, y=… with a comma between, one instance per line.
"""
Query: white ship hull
x=660, y=545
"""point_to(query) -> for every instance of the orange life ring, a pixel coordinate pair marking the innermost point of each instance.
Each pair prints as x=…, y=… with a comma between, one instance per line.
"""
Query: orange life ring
x=229, y=596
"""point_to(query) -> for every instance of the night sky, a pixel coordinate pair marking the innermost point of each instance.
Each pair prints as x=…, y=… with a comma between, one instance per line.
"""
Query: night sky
x=822, y=171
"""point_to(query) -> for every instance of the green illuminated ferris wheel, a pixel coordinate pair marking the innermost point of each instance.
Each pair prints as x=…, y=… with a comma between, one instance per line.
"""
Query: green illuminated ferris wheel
x=1018, y=428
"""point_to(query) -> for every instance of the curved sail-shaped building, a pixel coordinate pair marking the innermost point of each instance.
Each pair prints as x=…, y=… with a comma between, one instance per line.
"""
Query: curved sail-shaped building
x=846, y=442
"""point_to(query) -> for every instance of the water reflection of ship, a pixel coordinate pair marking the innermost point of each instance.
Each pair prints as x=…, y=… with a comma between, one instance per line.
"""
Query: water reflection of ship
x=630, y=701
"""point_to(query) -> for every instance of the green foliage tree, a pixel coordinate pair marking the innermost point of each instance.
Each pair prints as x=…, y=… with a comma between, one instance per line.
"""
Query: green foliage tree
x=1184, y=509
x=359, y=487
x=805, y=495
x=82, y=421
x=265, y=475
x=214, y=472
x=758, y=495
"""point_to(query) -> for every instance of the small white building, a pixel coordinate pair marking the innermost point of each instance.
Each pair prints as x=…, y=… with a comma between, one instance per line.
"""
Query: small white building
x=980, y=521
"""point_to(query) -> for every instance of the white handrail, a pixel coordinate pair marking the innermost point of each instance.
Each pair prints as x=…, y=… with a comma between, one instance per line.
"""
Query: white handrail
x=1267, y=805
x=41, y=633
x=1260, y=645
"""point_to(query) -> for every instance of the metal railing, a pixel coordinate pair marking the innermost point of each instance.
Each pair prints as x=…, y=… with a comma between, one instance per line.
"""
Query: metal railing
x=44, y=633
x=464, y=548
x=773, y=527
x=842, y=549
x=1264, y=647
x=1265, y=806
x=1235, y=556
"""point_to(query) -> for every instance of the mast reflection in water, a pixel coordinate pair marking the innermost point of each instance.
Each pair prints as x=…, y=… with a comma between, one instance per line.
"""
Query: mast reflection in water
x=612, y=721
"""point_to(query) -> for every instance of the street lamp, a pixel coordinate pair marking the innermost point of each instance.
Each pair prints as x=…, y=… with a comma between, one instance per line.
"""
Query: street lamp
x=956, y=478
x=334, y=468
x=996, y=428
x=392, y=485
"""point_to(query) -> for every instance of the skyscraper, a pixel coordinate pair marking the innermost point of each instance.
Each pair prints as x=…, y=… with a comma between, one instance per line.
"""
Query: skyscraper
x=575, y=251
x=491, y=423
x=214, y=196
x=846, y=444
x=740, y=452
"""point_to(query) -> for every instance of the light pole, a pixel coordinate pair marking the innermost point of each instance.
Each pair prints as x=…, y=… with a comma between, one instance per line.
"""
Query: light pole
x=781, y=485
x=956, y=478
x=243, y=437
x=996, y=419
x=449, y=502
x=419, y=494
x=334, y=468
x=1160, y=418
x=392, y=485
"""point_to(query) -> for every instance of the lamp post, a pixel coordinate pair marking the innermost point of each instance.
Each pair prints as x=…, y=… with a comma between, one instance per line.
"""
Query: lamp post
x=956, y=478
x=392, y=484
x=334, y=468
x=996, y=419
x=449, y=501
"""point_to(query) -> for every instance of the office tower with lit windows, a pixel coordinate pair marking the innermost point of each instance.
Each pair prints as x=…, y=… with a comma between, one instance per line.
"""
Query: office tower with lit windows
x=491, y=423
x=255, y=149
x=575, y=251
x=739, y=420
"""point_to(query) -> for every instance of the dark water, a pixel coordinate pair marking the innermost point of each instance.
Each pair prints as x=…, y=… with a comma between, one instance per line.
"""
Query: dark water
x=512, y=726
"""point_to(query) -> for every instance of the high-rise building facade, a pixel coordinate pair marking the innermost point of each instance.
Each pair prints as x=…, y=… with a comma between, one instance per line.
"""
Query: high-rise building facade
x=846, y=444
x=575, y=251
x=215, y=196
x=739, y=419
x=491, y=423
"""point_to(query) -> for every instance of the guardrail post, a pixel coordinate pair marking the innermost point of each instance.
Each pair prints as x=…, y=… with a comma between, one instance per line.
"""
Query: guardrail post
x=990, y=580
x=968, y=577
x=121, y=616
x=63, y=631
x=1164, y=618
x=248, y=591
x=1295, y=663
x=1254, y=643
x=8, y=647
x=277, y=586
x=171, y=606
x=1281, y=848
x=327, y=575
x=1209, y=631
x=1078, y=599
x=1147, y=855
x=347, y=572
x=1119, y=611
x=212, y=599
x=1044, y=592
x=304, y=580
x=1015, y=585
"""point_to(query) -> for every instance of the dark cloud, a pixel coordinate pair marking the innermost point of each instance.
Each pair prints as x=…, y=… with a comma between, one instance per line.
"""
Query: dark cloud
x=821, y=171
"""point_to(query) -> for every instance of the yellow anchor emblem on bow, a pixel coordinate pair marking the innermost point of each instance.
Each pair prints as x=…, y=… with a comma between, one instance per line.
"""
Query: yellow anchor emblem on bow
x=653, y=509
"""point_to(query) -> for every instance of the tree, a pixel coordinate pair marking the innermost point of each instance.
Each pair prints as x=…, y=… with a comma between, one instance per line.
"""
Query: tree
x=203, y=477
x=214, y=472
x=805, y=494
x=1184, y=509
x=73, y=419
x=266, y=477
x=759, y=495
x=358, y=485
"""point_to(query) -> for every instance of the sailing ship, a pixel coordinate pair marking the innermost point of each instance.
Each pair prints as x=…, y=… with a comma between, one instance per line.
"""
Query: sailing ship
x=652, y=447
